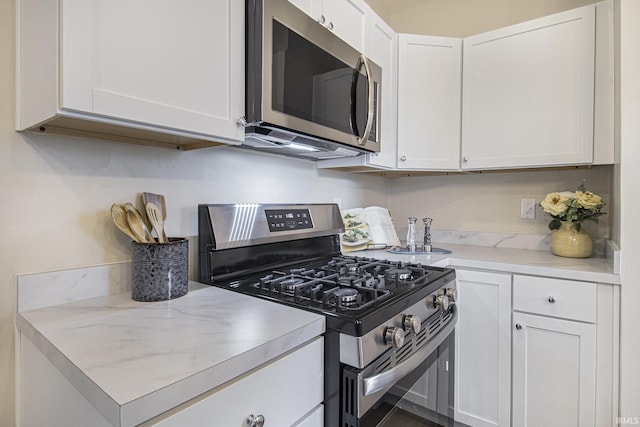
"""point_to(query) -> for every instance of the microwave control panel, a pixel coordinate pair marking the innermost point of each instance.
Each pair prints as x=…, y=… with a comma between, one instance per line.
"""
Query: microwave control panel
x=290, y=219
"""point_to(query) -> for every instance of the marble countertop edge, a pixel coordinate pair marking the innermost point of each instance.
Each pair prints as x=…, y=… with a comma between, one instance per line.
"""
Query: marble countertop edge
x=154, y=404
x=103, y=403
x=37, y=324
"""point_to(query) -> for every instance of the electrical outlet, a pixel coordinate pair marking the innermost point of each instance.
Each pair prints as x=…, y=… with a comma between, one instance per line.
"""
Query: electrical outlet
x=528, y=208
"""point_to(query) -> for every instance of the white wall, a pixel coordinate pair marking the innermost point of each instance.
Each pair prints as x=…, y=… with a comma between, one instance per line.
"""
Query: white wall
x=490, y=202
x=629, y=104
x=462, y=18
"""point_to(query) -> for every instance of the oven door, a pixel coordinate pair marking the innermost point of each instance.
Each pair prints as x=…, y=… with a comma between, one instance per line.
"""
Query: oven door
x=418, y=392
x=302, y=77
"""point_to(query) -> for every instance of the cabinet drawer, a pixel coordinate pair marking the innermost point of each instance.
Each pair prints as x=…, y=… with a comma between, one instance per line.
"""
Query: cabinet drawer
x=568, y=299
x=282, y=392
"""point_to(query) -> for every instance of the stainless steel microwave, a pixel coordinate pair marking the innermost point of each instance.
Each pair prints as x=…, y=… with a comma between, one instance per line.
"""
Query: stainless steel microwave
x=308, y=93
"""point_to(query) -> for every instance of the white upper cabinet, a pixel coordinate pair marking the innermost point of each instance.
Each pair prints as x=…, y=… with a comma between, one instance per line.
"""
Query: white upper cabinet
x=429, y=85
x=528, y=96
x=346, y=18
x=382, y=48
x=171, y=67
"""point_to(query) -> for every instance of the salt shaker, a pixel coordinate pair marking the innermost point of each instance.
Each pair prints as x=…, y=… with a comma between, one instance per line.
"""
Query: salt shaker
x=411, y=235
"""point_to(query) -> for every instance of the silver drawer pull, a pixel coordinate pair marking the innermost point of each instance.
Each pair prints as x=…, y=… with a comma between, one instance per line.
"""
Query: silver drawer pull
x=255, y=421
x=518, y=326
x=551, y=300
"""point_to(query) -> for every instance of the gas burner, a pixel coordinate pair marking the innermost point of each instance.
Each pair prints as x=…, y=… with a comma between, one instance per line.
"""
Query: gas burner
x=347, y=296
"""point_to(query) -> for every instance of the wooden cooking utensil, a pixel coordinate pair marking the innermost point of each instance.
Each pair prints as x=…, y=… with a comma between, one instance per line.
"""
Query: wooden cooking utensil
x=137, y=227
x=155, y=217
x=158, y=200
x=119, y=216
x=136, y=223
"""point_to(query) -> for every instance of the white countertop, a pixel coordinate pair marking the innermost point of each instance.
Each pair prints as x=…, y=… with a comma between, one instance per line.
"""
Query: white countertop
x=134, y=360
x=519, y=261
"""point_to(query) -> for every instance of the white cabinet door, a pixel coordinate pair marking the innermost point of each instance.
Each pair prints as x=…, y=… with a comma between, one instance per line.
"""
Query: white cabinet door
x=483, y=349
x=281, y=397
x=381, y=48
x=175, y=65
x=429, y=85
x=528, y=93
x=346, y=18
x=554, y=371
x=307, y=6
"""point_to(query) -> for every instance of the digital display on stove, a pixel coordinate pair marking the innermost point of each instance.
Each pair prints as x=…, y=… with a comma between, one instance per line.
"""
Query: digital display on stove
x=290, y=219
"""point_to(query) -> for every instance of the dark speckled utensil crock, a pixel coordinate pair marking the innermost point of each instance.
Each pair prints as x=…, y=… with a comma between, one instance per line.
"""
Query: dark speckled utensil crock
x=159, y=270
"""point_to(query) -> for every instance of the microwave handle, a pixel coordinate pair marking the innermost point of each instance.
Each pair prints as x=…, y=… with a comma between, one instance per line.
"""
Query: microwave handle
x=363, y=61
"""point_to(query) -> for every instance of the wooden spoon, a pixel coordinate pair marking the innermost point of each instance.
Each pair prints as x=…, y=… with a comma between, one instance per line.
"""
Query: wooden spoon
x=155, y=216
x=136, y=223
x=119, y=216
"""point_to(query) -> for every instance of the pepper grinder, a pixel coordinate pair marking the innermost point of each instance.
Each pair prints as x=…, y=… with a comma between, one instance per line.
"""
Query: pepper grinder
x=411, y=235
x=426, y=246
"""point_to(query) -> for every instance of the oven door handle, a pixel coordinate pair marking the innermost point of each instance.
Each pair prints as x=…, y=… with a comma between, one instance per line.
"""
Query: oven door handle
x=388, y=378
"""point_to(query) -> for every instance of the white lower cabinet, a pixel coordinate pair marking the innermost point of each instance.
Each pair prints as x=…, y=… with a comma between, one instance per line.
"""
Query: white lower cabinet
x=565, y=352
x=535, y=351
x=553, y=372
x=286, y=392
x=483, y=348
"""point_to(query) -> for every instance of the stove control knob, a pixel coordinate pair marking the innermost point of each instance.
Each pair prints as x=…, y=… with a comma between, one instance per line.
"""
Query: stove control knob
x=442, y=301
x=412, y=323
x=452, y=294
x=394, y=337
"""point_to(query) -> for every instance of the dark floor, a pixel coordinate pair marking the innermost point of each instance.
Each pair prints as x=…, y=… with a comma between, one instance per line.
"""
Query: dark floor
x=406, y=419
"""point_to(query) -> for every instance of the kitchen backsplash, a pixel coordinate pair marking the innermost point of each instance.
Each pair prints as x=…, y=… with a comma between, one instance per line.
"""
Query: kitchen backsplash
x=534, y=242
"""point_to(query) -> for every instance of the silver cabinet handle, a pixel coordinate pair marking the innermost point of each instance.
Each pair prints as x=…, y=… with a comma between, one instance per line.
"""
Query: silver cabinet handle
x=255, y=421
x=551, y=300
x=330, y=25
x=465, y=160
x=242, y=122
x=322, y=19
x=403, y=158
x=518, y=326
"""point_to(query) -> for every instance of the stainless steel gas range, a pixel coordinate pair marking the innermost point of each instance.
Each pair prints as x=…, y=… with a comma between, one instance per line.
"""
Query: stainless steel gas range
x=390, y=324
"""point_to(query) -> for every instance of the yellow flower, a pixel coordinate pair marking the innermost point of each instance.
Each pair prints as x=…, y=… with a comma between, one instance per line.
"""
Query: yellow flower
x=588, y=200
x=554, y=204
